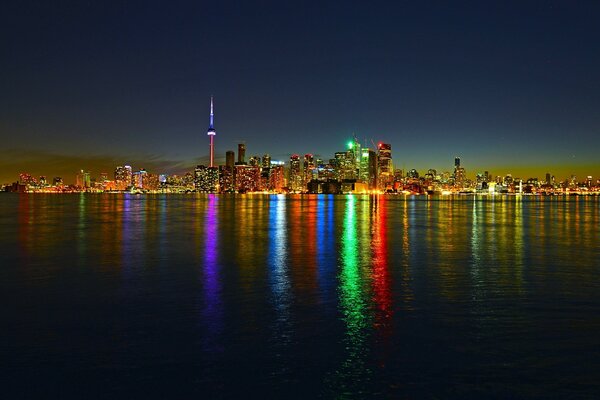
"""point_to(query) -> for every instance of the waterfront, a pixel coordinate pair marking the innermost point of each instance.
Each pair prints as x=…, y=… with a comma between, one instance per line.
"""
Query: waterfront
x=301, y=296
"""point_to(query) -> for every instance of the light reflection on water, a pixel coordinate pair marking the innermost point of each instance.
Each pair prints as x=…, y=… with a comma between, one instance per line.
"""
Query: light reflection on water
x=279, y=280
x=354, y=372
x=212, y=313
x=334, y=296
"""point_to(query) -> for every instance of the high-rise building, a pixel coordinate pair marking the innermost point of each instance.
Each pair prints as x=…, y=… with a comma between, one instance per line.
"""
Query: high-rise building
x=339, y=164
x=309, y=166
x=123, y=177
x=83, y=180
x=247, y=178
x=206, y=179
x=353, y=156
x=129, y=172
x=139, y=178
x=384, y=164
x=295, y=179
x=229, y=159
x=150, y=181
x=241, y=154
x=266, y=161
x=211, y=134
x=460, y=175
x=276, y=178
x=226, y=178
x=368, y=168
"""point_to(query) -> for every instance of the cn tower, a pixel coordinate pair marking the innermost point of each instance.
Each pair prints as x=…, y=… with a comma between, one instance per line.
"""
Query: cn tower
x=211, y=133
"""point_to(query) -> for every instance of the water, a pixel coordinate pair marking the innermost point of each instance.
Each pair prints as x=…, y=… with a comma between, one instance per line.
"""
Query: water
x=299, y=296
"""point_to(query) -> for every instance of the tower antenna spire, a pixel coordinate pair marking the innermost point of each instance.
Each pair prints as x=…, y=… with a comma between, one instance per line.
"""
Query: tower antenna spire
x=211, y=133
x=212, y=115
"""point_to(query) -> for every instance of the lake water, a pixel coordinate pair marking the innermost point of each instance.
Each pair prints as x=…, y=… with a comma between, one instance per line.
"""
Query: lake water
x=255, y=296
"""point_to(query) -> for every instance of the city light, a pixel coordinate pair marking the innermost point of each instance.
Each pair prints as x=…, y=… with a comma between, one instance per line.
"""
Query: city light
x=358, y=170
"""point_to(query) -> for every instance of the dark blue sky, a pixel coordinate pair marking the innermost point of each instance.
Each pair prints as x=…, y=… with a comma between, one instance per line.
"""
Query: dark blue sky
x=509, y=86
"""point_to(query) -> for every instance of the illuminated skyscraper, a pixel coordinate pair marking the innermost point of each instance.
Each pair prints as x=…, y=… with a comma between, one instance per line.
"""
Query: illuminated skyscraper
x=276, y=178
x=247, y=178
x=384, y=164
x=123, y=177
x=353, y=156
x=129, y=172
x=295, y=181
x=226, y=178
x=266, y=161
x=340, y=165
x=368, y=167
x=150, y=181
x=459, y=173
x=206, y=179
x=265, y=172
x=226, y=173
x=83, y=180
x=309, y=166
x=139, y=178
x=211, y=134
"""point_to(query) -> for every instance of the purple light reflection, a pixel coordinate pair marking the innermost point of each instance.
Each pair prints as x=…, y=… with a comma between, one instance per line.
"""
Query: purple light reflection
x=212, y=313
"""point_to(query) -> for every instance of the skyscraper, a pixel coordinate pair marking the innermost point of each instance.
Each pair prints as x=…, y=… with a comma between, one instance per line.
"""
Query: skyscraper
x=241, y=154
x=309, y=166
x=229, y=159
x=266, y=161
x=368, y=168
x=247, y=178
x=206, y=179
x=138, y=178
x=122, y=178
x=353, y=156
x=384, y=164
x=226, y=178
x=83, y=180
x=276, y=178
x=459, y=173
x=211, y=134
x=295, y=181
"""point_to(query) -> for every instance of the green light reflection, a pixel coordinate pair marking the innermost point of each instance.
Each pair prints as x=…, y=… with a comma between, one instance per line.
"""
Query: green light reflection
x=353, y=373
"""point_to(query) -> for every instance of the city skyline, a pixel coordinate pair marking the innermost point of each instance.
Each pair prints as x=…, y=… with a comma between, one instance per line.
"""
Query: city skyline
x=179, y=168
x=106, y=164
x=510, y=87
x=356, y=169
x=164, y=167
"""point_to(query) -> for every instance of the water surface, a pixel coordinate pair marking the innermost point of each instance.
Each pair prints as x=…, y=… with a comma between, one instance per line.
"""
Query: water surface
x=300, y=296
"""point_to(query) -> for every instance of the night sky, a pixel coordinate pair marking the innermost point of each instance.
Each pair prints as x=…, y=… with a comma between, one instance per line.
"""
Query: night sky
x=508, y=86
